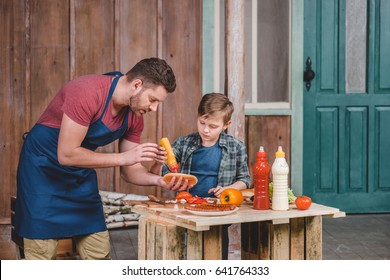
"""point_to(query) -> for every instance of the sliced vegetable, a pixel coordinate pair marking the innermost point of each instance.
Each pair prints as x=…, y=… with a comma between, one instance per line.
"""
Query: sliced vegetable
x=183, y=195
x=231, y=196
x=196, y=200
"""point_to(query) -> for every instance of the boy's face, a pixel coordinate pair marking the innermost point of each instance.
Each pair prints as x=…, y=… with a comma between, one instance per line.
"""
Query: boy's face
x=210, y=128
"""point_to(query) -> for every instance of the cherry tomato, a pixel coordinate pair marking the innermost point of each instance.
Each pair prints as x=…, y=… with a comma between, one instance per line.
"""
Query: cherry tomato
x=196, y=200
x=303, y=202
x=183, y=195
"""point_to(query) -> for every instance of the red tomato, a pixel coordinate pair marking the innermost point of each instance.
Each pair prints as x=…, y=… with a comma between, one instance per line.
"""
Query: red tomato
x=183, y=195
x=196, y=200
x=303, y=202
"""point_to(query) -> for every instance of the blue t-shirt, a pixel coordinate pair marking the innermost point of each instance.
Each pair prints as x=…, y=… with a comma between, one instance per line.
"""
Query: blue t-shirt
x=205, y=166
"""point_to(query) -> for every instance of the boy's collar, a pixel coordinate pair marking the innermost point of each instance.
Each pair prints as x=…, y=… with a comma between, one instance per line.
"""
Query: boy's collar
x=222, y=141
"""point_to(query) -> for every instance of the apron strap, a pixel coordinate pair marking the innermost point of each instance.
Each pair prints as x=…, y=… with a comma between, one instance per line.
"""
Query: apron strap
x=112, y=88
x=114, y=73
x=24, y=135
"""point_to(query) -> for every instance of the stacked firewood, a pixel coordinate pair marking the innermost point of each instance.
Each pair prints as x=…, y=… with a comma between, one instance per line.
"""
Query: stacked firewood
x=117, y=213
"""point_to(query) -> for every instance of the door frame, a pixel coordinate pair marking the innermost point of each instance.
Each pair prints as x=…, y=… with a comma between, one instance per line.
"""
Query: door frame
x=297, y=83
x=210, y=78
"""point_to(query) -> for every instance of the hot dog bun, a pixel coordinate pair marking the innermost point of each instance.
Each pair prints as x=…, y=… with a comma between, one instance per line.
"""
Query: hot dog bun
x=247, y=193
x=192, y=180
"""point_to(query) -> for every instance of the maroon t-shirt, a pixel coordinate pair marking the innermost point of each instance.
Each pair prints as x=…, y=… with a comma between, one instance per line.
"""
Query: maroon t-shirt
x=83, y=100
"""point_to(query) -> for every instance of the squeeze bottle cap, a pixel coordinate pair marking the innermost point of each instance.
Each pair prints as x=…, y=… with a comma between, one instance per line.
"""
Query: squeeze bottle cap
x=174, y=167
x=280, y=152
x=261, y=152
x=261, y=149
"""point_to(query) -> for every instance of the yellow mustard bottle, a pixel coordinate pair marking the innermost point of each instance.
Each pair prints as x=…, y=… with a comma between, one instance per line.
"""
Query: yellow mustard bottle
x=171, y=159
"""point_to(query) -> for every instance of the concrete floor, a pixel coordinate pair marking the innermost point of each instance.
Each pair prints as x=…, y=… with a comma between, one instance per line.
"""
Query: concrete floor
x=356, y=237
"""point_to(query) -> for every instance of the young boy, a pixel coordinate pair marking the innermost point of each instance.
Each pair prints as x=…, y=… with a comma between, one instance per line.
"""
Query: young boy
x=217, y=159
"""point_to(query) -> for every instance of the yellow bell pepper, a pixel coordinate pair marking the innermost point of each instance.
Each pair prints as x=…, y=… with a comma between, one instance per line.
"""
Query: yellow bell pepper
x=231, y=196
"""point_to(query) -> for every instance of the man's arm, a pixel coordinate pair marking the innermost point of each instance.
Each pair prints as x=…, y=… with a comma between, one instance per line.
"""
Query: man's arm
x=71, y=153
x=138, y=174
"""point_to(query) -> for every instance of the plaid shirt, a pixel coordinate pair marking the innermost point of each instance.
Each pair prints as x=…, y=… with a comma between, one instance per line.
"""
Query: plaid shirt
x=234, y=162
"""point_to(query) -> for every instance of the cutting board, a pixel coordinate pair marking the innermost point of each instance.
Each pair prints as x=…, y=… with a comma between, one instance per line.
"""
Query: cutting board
x=148, y=203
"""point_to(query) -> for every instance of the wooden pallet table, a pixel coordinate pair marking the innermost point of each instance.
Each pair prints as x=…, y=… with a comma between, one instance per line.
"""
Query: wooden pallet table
x=165, y=233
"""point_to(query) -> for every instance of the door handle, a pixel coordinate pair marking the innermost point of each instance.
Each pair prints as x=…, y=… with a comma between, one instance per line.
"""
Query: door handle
x=309, y=74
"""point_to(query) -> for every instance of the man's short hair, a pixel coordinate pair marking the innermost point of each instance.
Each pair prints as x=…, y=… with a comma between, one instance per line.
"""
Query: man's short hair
x=153, y=72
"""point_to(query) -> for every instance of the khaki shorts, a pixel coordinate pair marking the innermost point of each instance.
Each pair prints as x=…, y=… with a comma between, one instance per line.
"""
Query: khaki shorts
x=94, y=246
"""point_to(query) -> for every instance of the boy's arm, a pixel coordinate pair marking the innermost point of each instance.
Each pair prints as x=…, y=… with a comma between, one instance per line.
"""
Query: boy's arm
x=239, y=185
x=242, y=174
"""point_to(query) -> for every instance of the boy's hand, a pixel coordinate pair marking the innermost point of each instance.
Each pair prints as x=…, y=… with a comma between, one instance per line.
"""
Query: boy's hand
x=217, y=191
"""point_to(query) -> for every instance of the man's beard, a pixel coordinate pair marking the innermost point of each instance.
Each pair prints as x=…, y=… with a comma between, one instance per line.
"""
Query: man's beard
x=135, y=103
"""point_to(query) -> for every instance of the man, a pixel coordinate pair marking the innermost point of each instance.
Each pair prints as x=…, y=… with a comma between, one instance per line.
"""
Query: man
x=57, y=193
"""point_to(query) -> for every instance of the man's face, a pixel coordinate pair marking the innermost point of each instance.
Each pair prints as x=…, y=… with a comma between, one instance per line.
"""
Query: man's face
x=147, y=99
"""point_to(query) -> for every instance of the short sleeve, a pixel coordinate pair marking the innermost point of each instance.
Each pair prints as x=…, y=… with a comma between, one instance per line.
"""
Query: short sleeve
x=135, y=128
x=84, y=100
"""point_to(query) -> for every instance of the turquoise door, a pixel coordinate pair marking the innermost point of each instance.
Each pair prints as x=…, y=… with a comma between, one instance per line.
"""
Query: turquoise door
x=346, y=150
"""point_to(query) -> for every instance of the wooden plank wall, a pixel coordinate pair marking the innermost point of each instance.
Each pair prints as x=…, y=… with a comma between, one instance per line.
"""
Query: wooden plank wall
x=45, y=43
x=181, y=47
x=269, y=132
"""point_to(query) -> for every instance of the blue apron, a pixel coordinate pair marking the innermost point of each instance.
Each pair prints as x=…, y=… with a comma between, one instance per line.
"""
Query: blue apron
x=54, y=200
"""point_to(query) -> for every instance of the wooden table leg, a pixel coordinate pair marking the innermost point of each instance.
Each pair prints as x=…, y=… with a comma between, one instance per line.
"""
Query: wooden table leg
x=265, y=241
x=297, y=239
x=314, y=238
x=150, y=240
x=250, y=241
x=169, y=242
x=280, y=242
x=194, y=245
x=160, y=241
x=142, y=238
x=255, y=241
x=212, y=240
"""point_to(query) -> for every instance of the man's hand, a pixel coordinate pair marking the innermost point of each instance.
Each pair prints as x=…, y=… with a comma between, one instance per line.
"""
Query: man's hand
x=145, y=152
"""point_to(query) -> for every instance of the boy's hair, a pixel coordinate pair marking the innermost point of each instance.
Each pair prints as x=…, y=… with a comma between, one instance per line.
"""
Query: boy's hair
x=153, y=72
x=216, y=104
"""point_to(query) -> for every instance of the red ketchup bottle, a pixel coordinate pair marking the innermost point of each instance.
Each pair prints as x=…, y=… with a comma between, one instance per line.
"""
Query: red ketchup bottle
x=261, y=171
